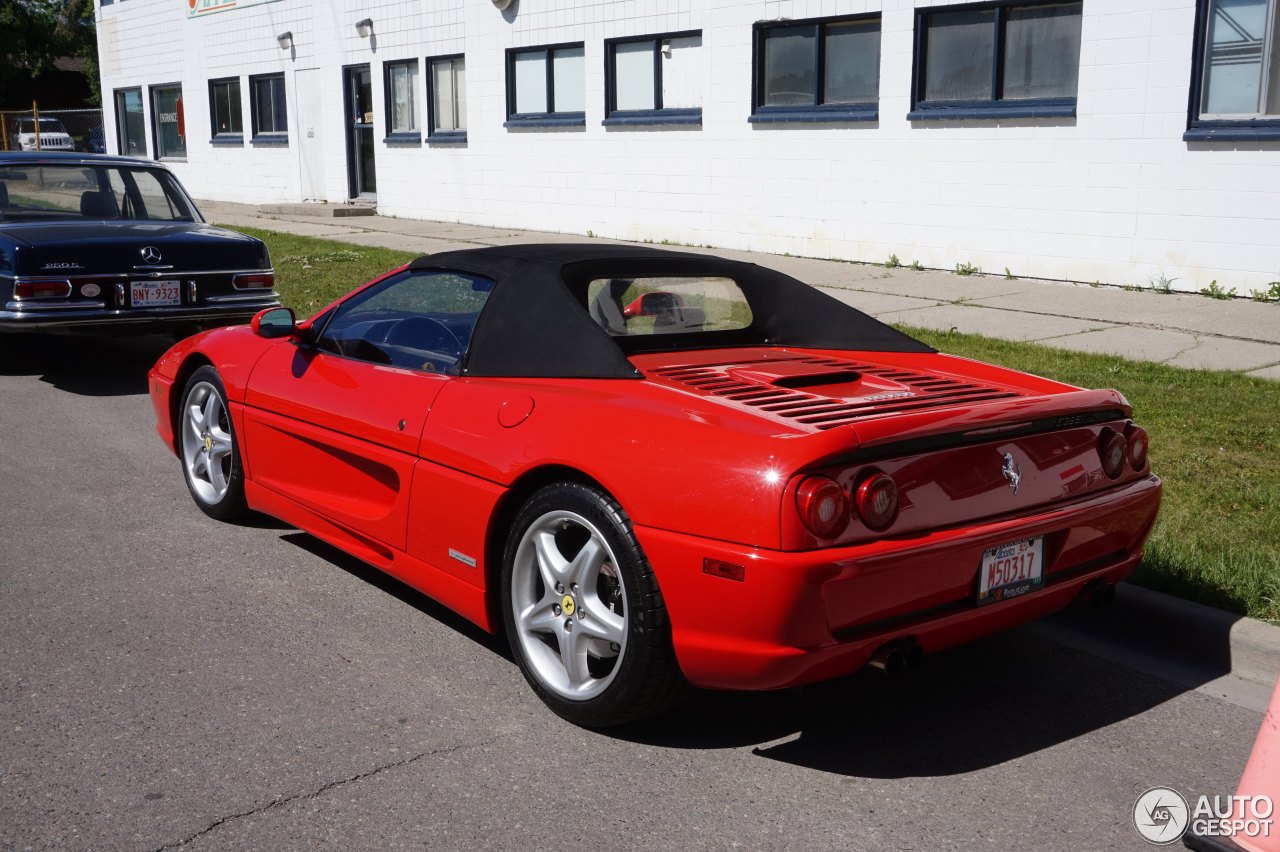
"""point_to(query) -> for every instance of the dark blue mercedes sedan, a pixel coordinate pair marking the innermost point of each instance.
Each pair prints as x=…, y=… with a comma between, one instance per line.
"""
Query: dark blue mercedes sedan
x=97, y=243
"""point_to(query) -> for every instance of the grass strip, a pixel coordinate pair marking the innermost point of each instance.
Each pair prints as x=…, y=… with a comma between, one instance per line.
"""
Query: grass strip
x=312, y=272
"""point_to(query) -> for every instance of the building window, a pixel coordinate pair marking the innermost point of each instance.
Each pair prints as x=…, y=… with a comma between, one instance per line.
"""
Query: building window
x=654, y=79
x=818, y=70
x=270, y=119
x=546, y=86
x=1235, y=92
x=1006, y=60
x=224, y=112
x=131, y=134
x=402, y=102
x=448, y=99
x=169, y=124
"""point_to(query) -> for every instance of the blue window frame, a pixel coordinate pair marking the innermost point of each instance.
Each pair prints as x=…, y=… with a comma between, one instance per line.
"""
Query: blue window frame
x=401, y=90
x=1235, y=76
x=821, y=69
x=546, y=86
x=270, y=116
x=447, y=99
x=168, y=122
x=997, y=60
x=224, y=112
x=653, y=79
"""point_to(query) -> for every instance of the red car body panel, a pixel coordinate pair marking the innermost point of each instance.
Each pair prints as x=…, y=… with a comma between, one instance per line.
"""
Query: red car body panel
x=338, y=436
x=800, y=617
x=414, y=473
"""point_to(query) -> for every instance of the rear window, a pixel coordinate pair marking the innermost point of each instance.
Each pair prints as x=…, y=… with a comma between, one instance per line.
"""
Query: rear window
x=641, y=307
x=43, y=192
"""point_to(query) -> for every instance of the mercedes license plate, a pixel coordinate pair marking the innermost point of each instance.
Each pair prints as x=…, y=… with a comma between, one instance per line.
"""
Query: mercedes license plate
x=1011, y=570
x=153, y=294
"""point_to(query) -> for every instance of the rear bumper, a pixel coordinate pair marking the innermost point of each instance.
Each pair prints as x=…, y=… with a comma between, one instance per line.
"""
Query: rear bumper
x=799, y=617
x=102, y=319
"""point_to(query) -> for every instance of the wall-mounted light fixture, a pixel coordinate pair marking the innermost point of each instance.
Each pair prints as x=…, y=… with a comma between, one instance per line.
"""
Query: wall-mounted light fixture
x=285, y=40
x=364, y=27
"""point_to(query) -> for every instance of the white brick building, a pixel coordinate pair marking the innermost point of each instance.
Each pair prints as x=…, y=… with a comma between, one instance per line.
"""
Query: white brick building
x=1115, y=140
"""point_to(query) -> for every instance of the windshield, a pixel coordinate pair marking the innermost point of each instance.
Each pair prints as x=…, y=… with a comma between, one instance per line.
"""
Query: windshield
x=47, y=125
x=73, y=191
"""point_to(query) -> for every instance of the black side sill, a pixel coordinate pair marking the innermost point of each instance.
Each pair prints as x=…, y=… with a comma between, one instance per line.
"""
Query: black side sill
x=403, y=139
x=813, y=116
x=971, y=113
x=1233, y=133
x=653, y=118
x=270, y=140
x=569, y=119
x=447, y=137
x=228, y=140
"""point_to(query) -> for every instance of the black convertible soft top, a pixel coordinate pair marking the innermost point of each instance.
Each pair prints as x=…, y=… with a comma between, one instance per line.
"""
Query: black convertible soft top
x=536, y=322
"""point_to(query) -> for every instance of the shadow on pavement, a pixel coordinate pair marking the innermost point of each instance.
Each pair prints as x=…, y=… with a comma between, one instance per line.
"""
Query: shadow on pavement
x=965, y=709
x=401, y=591
x=84, y=365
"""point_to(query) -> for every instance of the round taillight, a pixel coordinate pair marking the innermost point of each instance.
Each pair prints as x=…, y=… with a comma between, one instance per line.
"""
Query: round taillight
x=1112, y=448
x=877, y=501
x=1137, y=447
x=823, y=506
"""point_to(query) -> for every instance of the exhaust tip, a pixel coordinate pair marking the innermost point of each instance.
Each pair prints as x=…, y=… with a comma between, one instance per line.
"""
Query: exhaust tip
x=1098, y=594
x=1103, y=596
x=897, y=658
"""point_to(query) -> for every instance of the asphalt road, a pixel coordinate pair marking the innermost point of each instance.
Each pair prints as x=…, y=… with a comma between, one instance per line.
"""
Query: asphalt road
x=167, y=681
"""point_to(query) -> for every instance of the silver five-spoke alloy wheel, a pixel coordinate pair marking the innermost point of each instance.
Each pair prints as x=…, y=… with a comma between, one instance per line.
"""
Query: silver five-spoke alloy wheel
x=569, y=605
x=206, y=443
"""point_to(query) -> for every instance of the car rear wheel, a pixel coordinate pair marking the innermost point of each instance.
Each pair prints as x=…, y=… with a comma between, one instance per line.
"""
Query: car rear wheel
x=207, y=440
x=583, y=611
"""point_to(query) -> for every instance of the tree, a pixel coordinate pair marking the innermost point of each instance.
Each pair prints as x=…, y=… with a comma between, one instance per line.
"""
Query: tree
x=37, y=32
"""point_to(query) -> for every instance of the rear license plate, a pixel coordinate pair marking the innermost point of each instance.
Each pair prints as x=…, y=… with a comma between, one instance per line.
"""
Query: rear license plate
x=1011, y=570
x=151, y=294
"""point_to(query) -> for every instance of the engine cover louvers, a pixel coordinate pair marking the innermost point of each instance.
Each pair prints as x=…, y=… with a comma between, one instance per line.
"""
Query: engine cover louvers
x=856, y=390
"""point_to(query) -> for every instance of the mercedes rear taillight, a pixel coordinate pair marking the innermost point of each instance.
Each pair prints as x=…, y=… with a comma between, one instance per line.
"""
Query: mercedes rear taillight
x=41, y=288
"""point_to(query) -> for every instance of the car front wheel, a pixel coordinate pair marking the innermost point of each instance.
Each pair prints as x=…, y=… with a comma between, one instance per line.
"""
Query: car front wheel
x=583, y=612
x=207, y=441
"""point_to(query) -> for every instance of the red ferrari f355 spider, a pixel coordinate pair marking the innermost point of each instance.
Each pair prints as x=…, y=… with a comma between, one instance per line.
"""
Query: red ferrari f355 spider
x=653, y=469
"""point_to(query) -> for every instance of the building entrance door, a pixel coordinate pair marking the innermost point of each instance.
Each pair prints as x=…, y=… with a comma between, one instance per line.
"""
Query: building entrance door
x=362, y=181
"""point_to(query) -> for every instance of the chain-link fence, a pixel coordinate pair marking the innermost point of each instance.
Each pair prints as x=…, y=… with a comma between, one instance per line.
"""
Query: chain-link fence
x=53, y=130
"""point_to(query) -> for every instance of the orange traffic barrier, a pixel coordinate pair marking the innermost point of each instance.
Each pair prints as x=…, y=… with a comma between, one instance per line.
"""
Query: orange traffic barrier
x=1254, y=805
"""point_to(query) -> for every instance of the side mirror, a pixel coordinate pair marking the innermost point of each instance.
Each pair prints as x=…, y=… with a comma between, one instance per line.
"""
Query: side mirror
x=273, y=323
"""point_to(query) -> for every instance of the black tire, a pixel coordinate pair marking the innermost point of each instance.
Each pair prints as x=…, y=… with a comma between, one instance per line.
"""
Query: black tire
x=642, y=678
x=218, y=491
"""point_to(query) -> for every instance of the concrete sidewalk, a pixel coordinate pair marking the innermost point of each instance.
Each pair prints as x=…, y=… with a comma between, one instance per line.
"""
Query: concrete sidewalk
x=1181, y=330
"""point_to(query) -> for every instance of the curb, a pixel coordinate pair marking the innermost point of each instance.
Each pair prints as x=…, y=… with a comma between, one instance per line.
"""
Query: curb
x=1220, y=654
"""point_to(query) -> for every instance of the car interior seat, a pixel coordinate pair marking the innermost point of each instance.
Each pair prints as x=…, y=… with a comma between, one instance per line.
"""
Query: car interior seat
x=679, y=318
x=606, y=307
x=98, y=205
